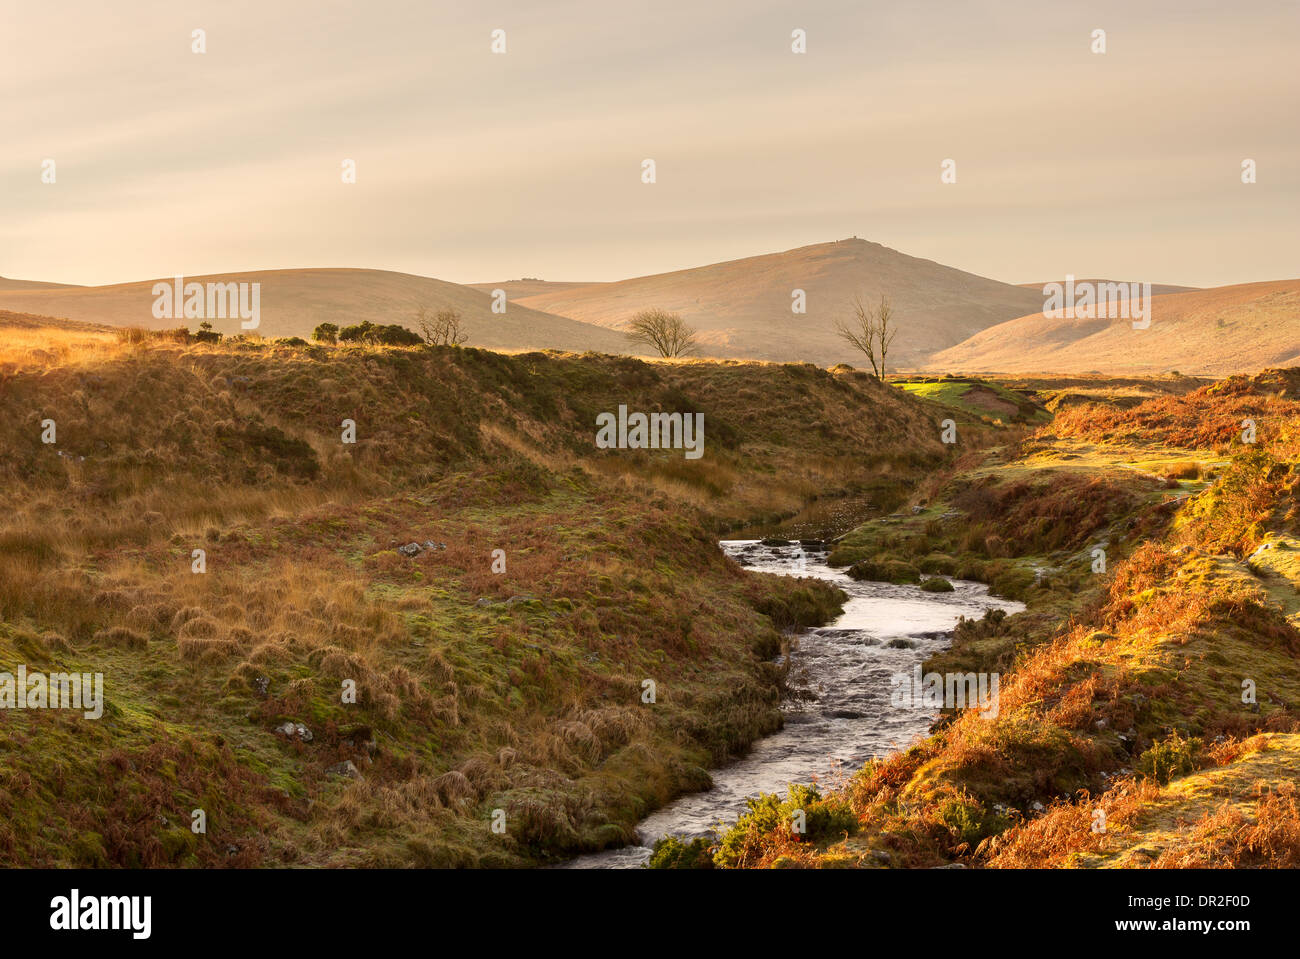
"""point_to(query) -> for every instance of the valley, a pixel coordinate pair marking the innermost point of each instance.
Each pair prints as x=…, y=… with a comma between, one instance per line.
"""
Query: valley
x=503, y=595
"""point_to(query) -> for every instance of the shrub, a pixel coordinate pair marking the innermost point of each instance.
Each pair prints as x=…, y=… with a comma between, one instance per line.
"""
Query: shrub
x=206, y=334
x=1172, y=757
x=390, y=335
x=769, y=823
x=671, y=853
x=968, y=822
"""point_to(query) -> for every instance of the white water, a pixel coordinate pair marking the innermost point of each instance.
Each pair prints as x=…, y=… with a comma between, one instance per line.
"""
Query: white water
x=885, y=629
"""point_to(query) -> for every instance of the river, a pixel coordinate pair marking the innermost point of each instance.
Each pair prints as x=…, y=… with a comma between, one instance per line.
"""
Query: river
x=846, y=667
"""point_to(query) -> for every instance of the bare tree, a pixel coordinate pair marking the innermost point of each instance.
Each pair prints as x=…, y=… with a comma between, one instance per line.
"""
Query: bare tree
x=663, y=331
x=440, y=329
x=871, y=330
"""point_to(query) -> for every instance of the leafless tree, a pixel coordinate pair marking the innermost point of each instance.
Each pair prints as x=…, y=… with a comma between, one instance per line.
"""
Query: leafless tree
x=871, y=330
x=442, y=328
x=663, y=331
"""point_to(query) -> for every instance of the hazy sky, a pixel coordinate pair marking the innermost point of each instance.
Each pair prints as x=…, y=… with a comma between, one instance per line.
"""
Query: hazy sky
x=473, y=166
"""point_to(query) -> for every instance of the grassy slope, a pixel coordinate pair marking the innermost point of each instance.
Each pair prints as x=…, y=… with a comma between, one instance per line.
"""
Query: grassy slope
x=293, y=302
x=477, y=690
x=984, y=400
x=743, y=307
x=1227, y=329
x=1111, y=683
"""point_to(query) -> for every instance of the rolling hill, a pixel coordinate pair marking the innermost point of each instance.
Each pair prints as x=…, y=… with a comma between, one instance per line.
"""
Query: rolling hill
x=742, y=307
x=7, y=284
x=293, y=302
x=1157, y=289
x=518, y=289
x=1229, y=329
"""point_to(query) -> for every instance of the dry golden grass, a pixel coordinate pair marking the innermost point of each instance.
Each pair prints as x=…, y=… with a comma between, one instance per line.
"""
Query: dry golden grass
x=467, y=700
x=1216, y=332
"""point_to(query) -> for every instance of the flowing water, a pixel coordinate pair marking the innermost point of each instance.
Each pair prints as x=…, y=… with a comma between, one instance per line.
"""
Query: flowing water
x=846, y=667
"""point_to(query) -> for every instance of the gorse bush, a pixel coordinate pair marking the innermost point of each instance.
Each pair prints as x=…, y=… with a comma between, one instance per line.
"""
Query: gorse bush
x=1172, y=757
x=385, y=335
x=673, y=853
x=771, y=822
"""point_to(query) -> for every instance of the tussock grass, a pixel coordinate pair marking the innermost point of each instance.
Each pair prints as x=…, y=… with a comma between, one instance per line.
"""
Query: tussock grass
x=475, y=690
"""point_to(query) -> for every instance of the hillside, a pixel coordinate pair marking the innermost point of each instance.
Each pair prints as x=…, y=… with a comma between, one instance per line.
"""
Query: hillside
x=1157, y=289
x=518, y=289
x=1228, y=329
x=293, y=302
x=743, y=307
x=7, y=284
x=516, y=687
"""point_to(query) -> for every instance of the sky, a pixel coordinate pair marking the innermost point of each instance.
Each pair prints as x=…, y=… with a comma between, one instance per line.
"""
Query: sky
x=473, y=166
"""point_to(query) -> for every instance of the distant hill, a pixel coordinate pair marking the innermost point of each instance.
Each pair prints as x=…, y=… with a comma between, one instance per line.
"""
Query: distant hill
x=27, y=321
x=1229, y=329
x=516, y=289
x=742, y=307
x=8, y=284
x=1157, y=289
x=293, y=302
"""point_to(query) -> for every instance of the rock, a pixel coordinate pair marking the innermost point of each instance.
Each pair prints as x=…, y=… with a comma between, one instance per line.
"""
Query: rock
x=484, y=601
x=951, y=865
x=881, y=856
x=347, y=769
x=1036, y=806
x=262, y=686
x=298, y=731
x=430, y=544
x=516, y=600
x=917, y=509
x=411, y=549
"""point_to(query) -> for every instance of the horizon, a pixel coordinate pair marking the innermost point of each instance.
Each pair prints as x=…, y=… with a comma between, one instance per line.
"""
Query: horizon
x=561, y=279
x=471, y=164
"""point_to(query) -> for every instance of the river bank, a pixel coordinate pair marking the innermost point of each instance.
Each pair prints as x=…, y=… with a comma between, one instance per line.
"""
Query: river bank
x=837, y=713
